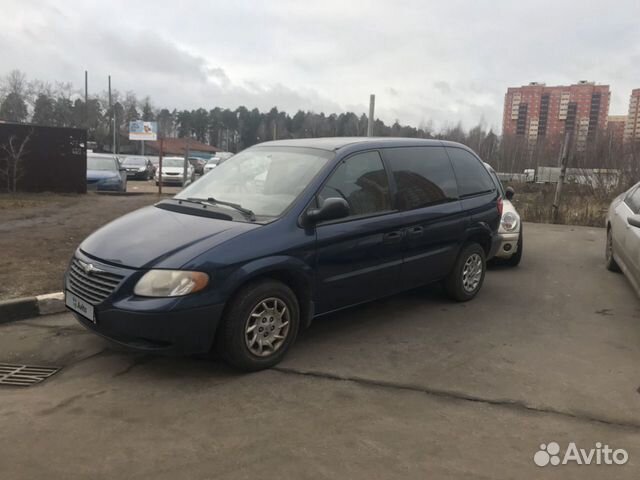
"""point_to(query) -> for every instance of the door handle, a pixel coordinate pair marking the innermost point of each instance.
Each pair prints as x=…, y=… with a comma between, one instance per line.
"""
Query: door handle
x=392, y=237
x=415, y=231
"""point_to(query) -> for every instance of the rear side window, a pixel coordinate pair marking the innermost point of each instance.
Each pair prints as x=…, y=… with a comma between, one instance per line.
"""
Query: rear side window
x=472, y=177
x=362, y=181
x=423, y=176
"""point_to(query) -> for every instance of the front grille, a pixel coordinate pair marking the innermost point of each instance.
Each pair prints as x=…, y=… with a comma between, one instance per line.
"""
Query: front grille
x=95, y=287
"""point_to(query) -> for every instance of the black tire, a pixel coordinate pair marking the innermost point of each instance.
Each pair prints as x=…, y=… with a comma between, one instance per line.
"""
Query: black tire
x=454, y=284
x=231, y=339
x=514, y=260
x=610, y=262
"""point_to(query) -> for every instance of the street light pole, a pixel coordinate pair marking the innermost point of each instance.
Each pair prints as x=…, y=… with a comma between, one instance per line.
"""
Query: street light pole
x=372, y=106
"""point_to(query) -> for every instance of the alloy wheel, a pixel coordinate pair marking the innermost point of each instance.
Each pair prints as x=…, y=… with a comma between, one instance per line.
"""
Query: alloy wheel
x=267, y=327
x=472, y=273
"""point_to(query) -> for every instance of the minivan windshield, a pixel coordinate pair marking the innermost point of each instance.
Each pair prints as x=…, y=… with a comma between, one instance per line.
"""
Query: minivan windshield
x=265, y=180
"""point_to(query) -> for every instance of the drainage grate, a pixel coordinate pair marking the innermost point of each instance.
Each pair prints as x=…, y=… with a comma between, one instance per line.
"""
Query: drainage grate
x=24, y=375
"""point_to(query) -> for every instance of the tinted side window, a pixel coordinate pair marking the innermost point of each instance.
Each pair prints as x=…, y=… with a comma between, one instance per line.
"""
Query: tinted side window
x=472, y=177
x=362, y=181
x=633, y=200
x=423, y=176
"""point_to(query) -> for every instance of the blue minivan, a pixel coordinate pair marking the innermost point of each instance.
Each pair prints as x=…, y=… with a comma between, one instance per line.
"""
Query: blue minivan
x=283, y=232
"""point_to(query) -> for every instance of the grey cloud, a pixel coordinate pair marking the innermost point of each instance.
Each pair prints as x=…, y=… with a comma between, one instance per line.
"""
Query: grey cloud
x=425, y=59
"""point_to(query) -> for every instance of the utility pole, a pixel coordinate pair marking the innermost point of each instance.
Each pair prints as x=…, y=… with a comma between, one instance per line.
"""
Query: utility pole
x=186, y=160
x=112, y=123
x=160, y=168
x=372, y=107
x=564, y=160
x=86, y=99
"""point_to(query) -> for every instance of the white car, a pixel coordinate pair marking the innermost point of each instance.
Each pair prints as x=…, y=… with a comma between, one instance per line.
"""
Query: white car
x=510, y=230
x=173, y=172
x=211, y=164
x=623, y=236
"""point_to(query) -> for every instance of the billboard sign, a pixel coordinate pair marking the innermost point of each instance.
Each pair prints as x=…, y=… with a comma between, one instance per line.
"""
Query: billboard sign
x=139, y=130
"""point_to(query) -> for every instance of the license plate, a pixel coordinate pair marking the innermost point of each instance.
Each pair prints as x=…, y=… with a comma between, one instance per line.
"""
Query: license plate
x=78, y=305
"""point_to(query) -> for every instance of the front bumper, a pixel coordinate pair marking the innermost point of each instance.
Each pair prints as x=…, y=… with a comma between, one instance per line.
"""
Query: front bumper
x=182, y=332
x=138, y=175
x=106, y=187
x=180, y=325
x=507, y=244
x=175, y=179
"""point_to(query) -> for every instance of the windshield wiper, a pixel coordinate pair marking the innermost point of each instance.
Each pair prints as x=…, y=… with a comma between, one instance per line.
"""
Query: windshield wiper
x=212, y=201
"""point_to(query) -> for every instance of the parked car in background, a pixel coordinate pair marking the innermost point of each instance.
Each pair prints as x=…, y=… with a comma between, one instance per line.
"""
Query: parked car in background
x=245, y=257
x=155, y=161
x=198, y=164
x=623, y=236
x=224, y=156
x=211, y=164
x=173, y=171
x=104, y=173
x=510, y=232
x=139, y=168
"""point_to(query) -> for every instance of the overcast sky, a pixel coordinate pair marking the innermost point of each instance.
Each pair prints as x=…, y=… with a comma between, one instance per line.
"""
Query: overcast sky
x=444, y=61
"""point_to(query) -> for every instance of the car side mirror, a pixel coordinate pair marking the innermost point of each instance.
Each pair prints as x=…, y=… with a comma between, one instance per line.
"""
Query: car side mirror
x=331, y=209
x=509, y=193
x=634, y=220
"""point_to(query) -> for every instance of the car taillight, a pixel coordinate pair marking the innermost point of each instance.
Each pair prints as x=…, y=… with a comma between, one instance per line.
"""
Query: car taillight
x=500, y=206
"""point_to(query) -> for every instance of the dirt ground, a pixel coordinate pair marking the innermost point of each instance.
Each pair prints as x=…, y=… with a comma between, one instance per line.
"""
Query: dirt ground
x=579, y=205
x=39, y=233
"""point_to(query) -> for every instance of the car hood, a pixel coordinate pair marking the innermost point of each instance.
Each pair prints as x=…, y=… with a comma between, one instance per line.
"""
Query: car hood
x=101, y=174
x=173, y=169
x=154, y=237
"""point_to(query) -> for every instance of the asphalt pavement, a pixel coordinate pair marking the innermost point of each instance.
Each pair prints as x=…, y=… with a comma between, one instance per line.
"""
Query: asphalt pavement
x=413, y=386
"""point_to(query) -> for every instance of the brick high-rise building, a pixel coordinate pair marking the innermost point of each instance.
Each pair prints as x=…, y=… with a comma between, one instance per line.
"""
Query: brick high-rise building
x=615, y=127
x=632, y=125
x=541, y=114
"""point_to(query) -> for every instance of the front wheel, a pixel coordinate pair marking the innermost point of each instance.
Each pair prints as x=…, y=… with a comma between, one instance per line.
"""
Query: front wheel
x=466, y=277
x=259, y=326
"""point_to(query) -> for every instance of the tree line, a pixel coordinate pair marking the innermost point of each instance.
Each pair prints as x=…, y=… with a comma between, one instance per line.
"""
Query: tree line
x=61, y=105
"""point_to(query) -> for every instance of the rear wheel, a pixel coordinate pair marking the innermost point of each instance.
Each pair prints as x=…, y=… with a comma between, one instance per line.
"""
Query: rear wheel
x=259, y=326
x=610, y=262
x=465, y=279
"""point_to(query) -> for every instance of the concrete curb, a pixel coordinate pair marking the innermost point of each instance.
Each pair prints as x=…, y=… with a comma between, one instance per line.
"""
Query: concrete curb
x=28, y=307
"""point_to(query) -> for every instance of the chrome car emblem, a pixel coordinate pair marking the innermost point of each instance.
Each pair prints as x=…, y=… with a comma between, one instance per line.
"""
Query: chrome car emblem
x=89, y=268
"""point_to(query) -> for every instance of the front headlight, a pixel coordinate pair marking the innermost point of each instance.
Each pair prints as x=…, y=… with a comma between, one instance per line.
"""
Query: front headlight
x=509, y=221
x=141, y=169
x=170, y=283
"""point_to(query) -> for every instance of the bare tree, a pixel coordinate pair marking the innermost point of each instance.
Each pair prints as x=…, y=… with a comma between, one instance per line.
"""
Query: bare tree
x=11, y=162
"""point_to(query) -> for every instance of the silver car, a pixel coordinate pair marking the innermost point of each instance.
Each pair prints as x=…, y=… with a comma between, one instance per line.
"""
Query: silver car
x=510, y=230
x=623, y=236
